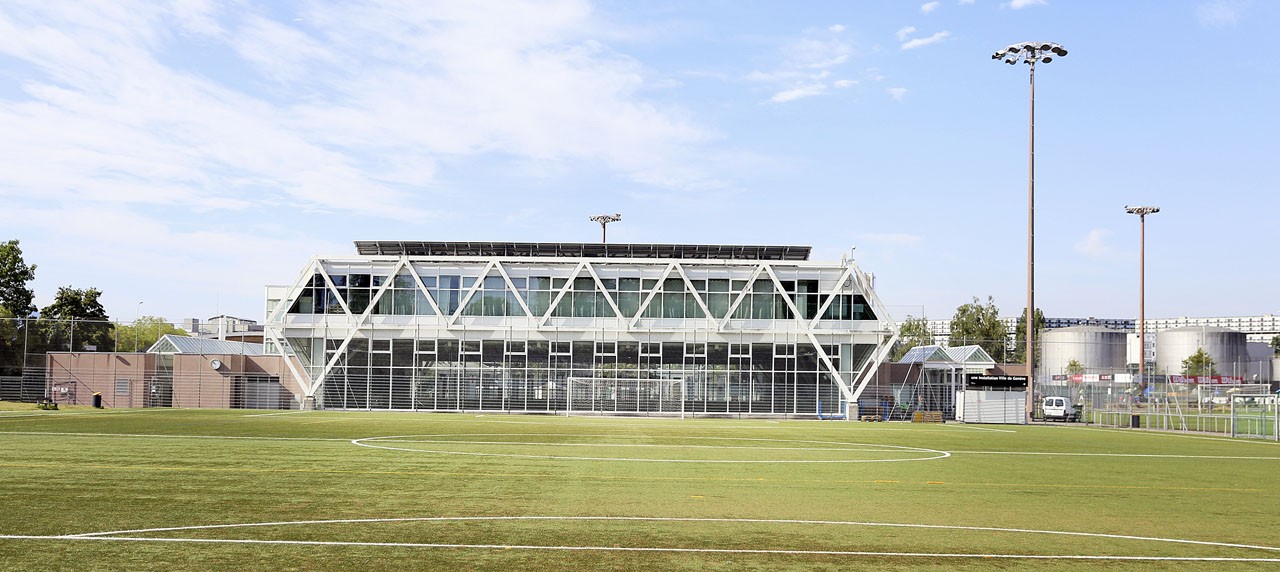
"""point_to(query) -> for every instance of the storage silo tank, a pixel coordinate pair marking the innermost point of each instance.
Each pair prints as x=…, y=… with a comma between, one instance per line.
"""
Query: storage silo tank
x=1227, y=348
x=1098, y=349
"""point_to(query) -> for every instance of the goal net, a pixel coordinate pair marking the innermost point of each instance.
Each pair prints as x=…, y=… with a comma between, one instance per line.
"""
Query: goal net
x=617, y=395
x=1255, y=416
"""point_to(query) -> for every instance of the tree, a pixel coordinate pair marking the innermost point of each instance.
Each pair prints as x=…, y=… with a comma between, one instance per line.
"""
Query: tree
x=1020, y=337
x=914, y=332
x=143, y=333
x=1275, y=345
x=975, y=323
x=15, y=295
x=76, y=321
x=1074, y=367
x=1199, y=364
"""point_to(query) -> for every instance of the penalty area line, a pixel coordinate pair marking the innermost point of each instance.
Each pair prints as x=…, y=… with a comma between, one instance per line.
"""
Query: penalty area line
x=682, y=550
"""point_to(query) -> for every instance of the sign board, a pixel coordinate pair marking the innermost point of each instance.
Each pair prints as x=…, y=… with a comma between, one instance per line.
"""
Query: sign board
x=996, y=381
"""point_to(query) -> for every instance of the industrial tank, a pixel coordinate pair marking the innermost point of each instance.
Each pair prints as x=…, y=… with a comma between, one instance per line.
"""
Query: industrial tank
x=1098, y=349
x=1227, y=347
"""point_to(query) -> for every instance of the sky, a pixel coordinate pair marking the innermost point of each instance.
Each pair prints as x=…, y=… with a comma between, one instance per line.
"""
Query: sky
x=179, y=156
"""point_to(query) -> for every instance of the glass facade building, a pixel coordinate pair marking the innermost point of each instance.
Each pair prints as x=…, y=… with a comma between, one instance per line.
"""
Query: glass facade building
x=555, y=327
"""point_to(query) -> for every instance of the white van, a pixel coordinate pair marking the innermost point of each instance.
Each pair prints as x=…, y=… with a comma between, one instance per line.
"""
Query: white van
x=1059, y=409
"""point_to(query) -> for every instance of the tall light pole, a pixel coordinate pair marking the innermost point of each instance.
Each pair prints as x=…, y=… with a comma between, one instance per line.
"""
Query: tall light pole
x=1030, y=53
x=1142, y=213
x=604, y=221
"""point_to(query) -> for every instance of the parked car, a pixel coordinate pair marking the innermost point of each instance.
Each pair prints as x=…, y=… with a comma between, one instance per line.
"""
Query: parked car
x=1059, y=409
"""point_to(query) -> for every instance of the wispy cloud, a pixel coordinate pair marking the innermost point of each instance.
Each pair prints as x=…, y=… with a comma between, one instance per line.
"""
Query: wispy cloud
x=921, y=42
x=1095, y=245
x=105, y=109
x=1220, y=13
x=799, y=92
x=1020, y=4
x=965, y=2
x=807, y=66
x=930, y=7
x=897, y=93
x=905, y=32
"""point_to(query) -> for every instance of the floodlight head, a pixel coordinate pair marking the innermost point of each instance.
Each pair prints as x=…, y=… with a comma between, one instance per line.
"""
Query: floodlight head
x=1060, y=51
x=1010, y=61
x=1046, y=47
x=1046, y=59
x=1141, y=211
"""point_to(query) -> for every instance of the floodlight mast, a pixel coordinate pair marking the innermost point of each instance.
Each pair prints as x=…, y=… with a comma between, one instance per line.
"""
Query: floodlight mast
x=1030, y=53
x=1142, y=213
x=604, y=221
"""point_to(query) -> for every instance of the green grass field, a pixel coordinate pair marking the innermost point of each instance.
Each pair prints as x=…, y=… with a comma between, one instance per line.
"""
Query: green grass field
x=91, y=489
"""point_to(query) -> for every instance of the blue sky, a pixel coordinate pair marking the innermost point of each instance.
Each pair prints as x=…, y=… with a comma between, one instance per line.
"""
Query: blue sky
x=185, y=154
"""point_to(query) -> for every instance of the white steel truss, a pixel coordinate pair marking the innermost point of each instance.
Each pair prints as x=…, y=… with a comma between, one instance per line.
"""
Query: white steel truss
x=848, y=280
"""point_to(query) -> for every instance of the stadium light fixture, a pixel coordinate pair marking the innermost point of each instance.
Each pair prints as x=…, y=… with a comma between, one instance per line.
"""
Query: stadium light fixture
x=604, y=221
x=1030, y=53
x=1142, y=213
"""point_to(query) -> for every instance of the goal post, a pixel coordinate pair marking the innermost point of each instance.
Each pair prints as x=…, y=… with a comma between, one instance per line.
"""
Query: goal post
x=1255, y=415
x=625, y=395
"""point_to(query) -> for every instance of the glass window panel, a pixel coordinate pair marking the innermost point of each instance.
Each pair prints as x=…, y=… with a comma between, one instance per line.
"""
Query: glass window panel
x=629, y=303
x=359, y=300
x=384, y=304
x=583, y=304
x=359, y=281
x=305, y=303
x=718, y=285
x=468, y=281
x=404, y=281
x=520, y=283
x=629, y=284
x=494, y=283
x=429, y=281
x=339, y=280
x=378, y=281
x=403, y=302
x=421, y=304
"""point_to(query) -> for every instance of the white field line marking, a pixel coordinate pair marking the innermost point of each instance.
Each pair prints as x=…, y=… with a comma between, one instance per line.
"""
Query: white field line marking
x=653, y=549
x=280, y=413
x=980, y=428
x=649, y=445
x=366, y=442
x=114, y=535
x=1152, y=455
x=1157, y=433
x=151, y=436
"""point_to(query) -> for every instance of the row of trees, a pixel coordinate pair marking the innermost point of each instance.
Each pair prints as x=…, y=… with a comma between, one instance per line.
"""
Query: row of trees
x=74, y=321
x=974, y=323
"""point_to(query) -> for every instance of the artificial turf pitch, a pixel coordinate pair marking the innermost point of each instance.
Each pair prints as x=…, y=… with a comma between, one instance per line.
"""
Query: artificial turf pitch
x=87, y=489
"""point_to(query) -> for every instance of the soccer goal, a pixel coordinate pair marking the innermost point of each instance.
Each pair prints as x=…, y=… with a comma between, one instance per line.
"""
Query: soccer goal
x=1255, y=416
x=619, y=395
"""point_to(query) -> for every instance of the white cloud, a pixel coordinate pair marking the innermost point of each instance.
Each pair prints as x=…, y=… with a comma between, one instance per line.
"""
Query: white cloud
x=921, y=42
x=806, y=67
x=837, y=28
x=799, y=92
x=1094, y=244
x=844, y=83
x=905, y=32
x=1219, y=14
x=897, y=93
x=965, y=2
x=363, y=103
x=930, y=7
x=1020, y=4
